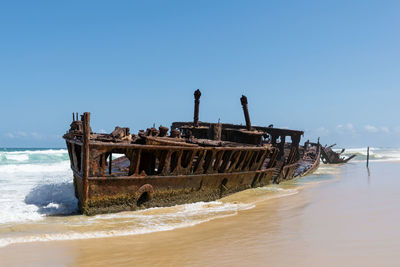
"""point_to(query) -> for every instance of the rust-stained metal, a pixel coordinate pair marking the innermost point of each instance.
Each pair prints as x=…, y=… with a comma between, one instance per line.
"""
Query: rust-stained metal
x=243, y=100
x=197, y=95
x=329, y=156
x=197, y=161
x=85, y=157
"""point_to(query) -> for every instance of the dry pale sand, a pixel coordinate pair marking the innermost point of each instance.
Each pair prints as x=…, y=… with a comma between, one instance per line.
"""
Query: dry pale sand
x=352, y=220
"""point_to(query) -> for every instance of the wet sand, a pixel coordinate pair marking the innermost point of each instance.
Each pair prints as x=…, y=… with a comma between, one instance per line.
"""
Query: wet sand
x=350, y=219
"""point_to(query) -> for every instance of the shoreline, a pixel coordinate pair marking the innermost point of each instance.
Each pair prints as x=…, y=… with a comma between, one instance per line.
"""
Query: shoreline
x=34, y=249
x=330, y=220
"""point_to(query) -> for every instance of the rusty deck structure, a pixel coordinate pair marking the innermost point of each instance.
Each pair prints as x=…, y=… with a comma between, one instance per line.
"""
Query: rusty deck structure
x=194, y=161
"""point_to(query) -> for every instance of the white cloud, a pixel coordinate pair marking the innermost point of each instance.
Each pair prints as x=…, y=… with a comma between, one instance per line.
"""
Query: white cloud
x=23, y=135
x=16, y=134
x=10, y=135
x=382, y=129
x=345, y=128
x=36, y=135
x=371, y=129
x=385, y=129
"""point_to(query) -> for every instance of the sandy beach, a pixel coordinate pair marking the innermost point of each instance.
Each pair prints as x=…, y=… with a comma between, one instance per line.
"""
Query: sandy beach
x=200, y=133
x=340, y=217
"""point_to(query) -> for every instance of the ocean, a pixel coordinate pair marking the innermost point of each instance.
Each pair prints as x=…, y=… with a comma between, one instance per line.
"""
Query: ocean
x=38, y=205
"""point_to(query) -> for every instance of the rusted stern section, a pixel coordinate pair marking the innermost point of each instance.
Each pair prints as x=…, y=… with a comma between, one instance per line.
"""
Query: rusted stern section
x=329, y=156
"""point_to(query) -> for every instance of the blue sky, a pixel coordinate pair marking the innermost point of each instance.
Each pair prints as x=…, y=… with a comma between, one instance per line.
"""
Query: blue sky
x=330, y=68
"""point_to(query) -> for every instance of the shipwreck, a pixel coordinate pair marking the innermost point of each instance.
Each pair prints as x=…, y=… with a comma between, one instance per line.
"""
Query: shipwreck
x=328, y=156
x=192, y=161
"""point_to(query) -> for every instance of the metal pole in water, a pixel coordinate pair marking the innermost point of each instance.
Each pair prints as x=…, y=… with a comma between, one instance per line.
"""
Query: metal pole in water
x=367, y=157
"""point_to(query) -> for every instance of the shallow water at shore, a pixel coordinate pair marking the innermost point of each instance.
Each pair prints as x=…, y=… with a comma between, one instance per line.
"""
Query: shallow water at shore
x=37, y=203
x=339, y=215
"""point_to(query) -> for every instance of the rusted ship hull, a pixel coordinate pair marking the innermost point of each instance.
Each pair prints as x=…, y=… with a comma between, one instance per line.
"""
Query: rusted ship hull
x=205, y=178
x=124, y=194
x=196, y=162
x=153, y=177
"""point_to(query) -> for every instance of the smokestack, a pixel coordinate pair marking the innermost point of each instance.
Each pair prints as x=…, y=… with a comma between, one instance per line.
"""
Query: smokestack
x=197, y=95
x=243, y=100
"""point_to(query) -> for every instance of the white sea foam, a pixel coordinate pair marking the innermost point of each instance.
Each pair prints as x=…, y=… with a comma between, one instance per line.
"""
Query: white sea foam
x=30, y=200
x=140, y=222
x=34, y=168
x=30, y=181
x=375, y=154
x=17, y=157
x=95, y=234
x=279, y=191
x=275, y=188
x=33, y=152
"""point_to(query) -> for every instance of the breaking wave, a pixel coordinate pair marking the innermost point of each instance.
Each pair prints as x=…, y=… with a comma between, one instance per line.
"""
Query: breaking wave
x=32, y=156
x=31, y=180
x=376, y=154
